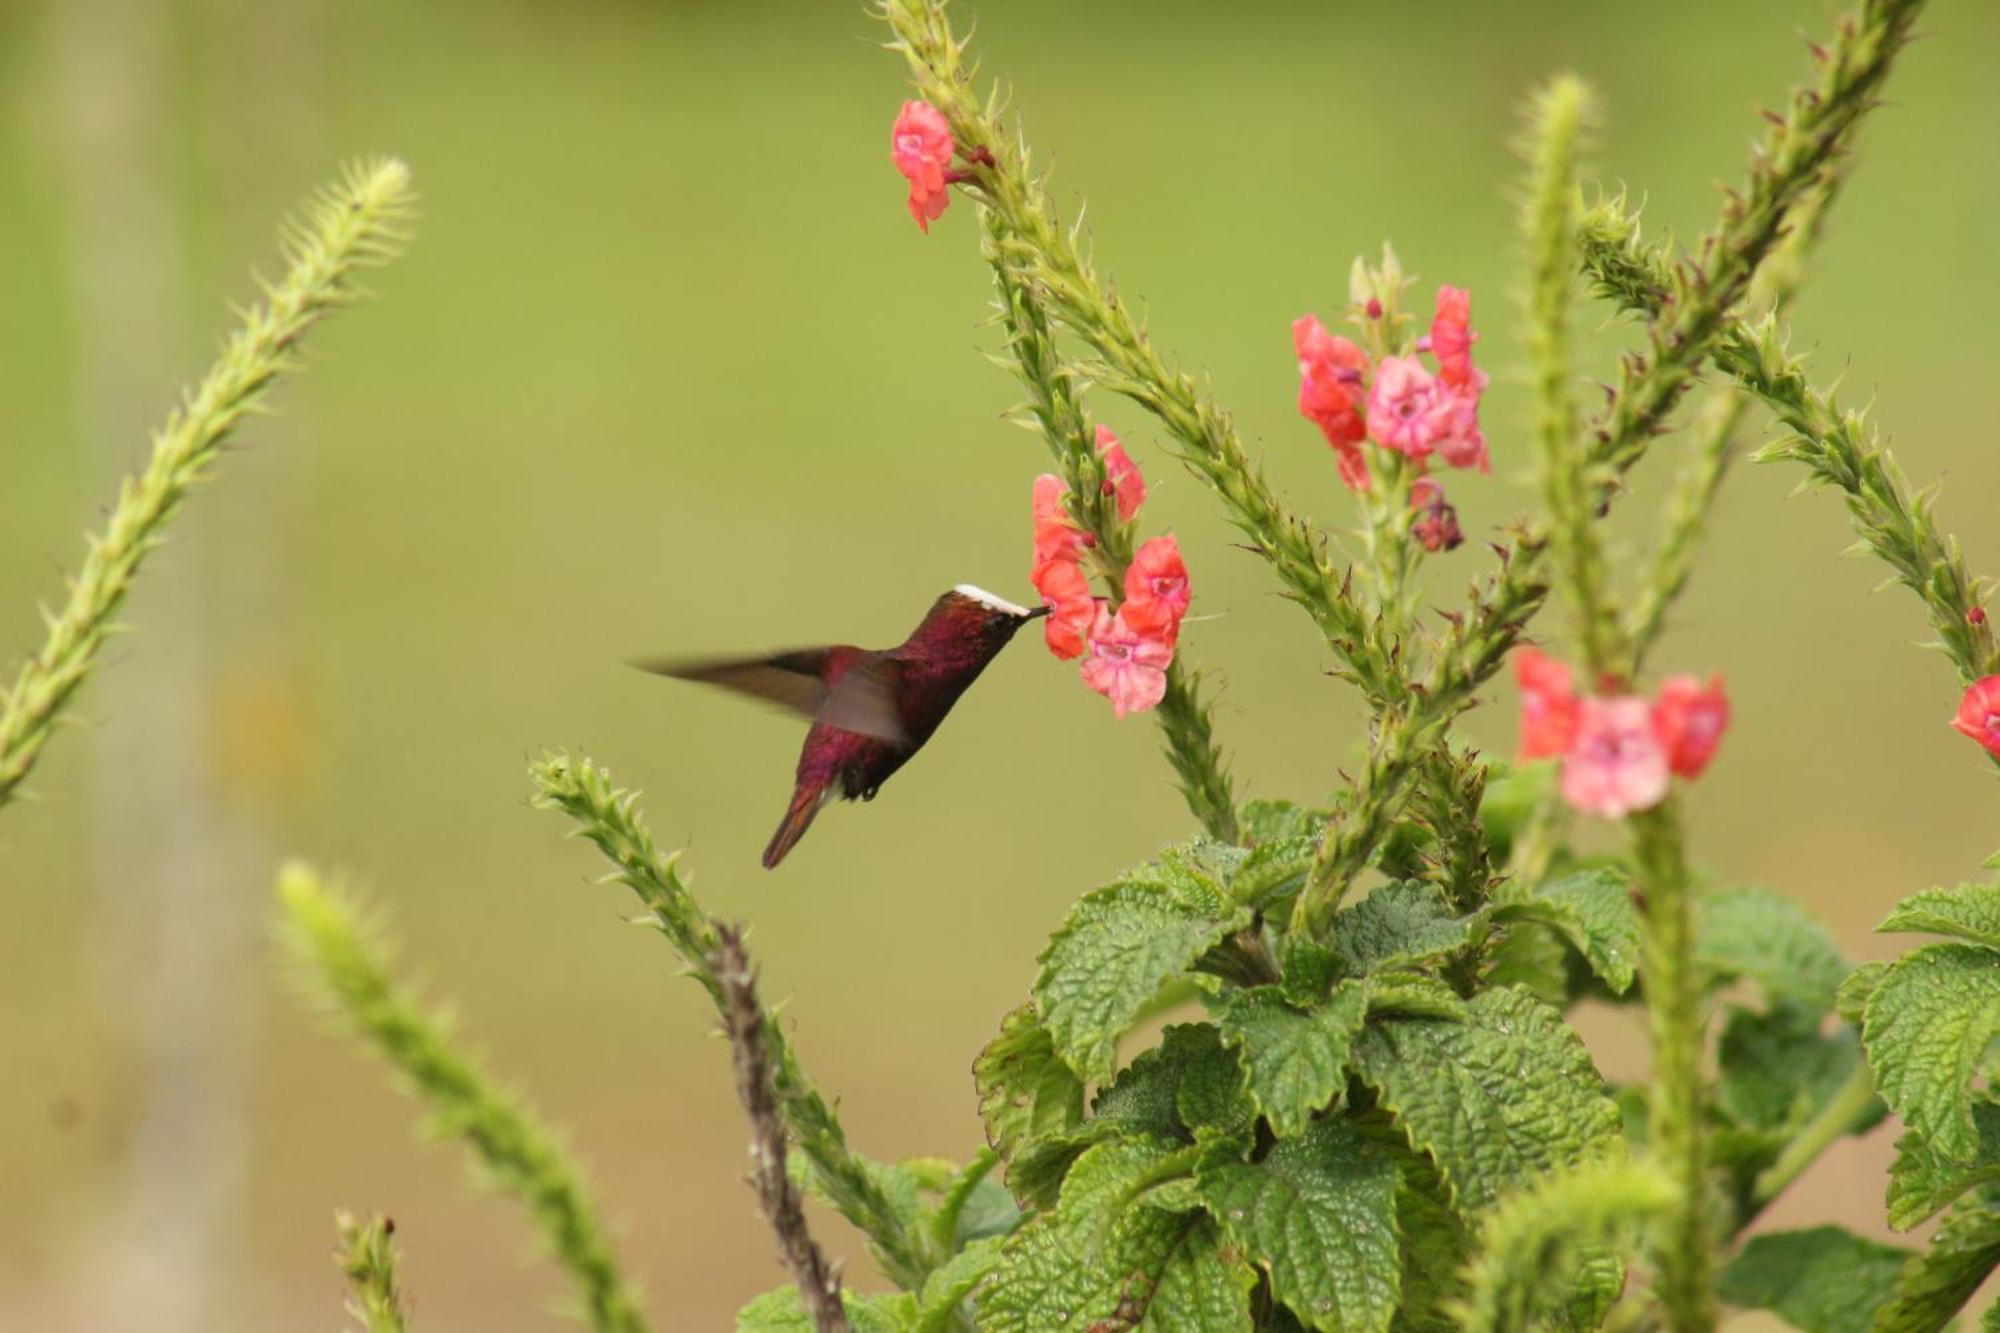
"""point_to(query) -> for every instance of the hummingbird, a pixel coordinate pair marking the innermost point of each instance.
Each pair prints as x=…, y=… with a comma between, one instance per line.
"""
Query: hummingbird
x=871, y=709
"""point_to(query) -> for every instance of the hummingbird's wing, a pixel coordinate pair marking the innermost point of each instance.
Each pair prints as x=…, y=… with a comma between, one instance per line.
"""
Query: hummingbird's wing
x=862, y=700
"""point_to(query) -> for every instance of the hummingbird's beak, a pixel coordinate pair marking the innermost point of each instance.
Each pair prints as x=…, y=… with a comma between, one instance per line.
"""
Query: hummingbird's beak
x=1038, y=612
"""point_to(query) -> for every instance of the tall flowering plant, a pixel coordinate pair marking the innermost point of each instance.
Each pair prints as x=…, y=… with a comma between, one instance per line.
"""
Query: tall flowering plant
x=1369, y=1111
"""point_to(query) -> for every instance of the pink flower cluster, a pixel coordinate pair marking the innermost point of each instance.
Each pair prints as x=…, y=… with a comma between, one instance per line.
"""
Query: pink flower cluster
x=1978, y=714
x=1408, y=408
x=921, y=146
x=1130, y=647
x=1618, y=752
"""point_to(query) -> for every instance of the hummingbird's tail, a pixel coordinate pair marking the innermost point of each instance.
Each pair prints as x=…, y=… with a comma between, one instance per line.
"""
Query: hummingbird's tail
x=806, y=801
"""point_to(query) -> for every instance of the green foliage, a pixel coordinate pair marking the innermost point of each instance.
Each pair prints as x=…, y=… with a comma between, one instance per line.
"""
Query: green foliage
x=1592, y=909
x=1935, y=1285
x=1296, y=1059
x=1543, y=1248
x=1495, y=1100
x=1781, y=1075
x=1398, y=925
x=1825, y=1280
x=1025, y=1090
x=1123, y=943
x=367, y=1258
x=1319, y=1212
x=1970, y=912
x=1927, y=1028
x=782, y=1311
x=347, y=967
x=1924, y=1180
x=1756, y=935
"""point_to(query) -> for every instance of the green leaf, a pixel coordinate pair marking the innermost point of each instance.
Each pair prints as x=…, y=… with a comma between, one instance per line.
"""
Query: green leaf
x=1778, y=1069
x=1436, y=1247
x=949, y=1284
x=1398, y=923
x=1767, y=938
x=1412, y=994
x=1513, y=794
x=1025, y=1090
x=1533, y=956
x=1553, y=1248
x=1296, y=1060
x=1928, y=1025
x=1496, y=1100
x=1990, y=1321
x=1970, y=912
x=1825, y=1280
x=1124, y=942
x=1265, y=821
x=1593, y=910
x=1274, y=871
x=1923, y=1180
x=1936, y=1284
x=1104, y=1257
x=781, y=1311
x=1319, y=1213
x=1851, y=1000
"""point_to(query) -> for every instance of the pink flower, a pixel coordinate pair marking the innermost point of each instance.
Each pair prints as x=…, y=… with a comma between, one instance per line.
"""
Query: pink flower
x=1978, y=713
x=1548, y=704
x=1455, y=422
x=1452, y=337
x=1056, y=538
x=1126, y=665
x=1331, y=371
x=1402, y=407
x=1435, y=524
x=1121, y=475
x=921, y=147
x=1690, y=718
x=1616, y=764
x=1156, y=589
x=1072, y=610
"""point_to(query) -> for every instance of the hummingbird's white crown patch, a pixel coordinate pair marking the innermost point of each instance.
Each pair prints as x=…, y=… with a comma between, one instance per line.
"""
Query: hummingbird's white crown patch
x=985, y=598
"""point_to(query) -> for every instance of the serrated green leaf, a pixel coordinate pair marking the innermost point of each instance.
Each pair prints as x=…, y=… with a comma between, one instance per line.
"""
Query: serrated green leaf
x=1025, y=1090
x=1825, y=1280
x=1767, y=938
x=1103, y=1256
x=1495, y=1100
x=1928, y=1025
x=1936, y=1284
x=1399, y=923
x=1295, y=1059
x=1551, y=1252
x=1265, y=821
x=1319, y=1213
x=1593, y=910
x=781, y=1311
x=1437, y=1244
x=1923, y=1180
x=1122, y=944
x=1970, y=912
x=1146, y=1096
x=1274, y=871
x=1412, y=994
x=1532, y=956
x=1778, y=1068
x=1851, y=1000
x=950, y=1283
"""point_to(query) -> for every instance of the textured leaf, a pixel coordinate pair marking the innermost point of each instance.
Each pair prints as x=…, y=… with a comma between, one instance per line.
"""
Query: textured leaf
x=1825, y=1280
x=1414, y=994
x=1531, y=955
x=1851, y=1000
x=1923, y=1180
x=1025, y=1090
x=1593, y=910
x=1274, y=871
x=1495, y=1100
x=1124, y=942
x=1319, y=1213
x=1928, y=1025
x=1778, y=1069
x=780, y=1311
x=1104, y=1258
x=1990, y=1321
x=1399, y=923
x=1936, y=1284
x=1437, y=1244
x=1970, y=912
x=1296, y=1060
x=1552, y=1249
x=949, y=1284
x=1769, y=939
x=1265, y=821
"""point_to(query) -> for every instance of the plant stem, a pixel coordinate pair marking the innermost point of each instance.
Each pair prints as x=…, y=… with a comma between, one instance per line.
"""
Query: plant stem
x=1835, y=1119
x=349, y=968
x=367, y=1256
x=1674, y=1004
x=610, y=818
x=818, y=1282
x=353, y=225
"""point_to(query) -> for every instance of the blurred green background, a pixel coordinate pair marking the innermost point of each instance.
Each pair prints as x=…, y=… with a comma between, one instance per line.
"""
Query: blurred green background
x=670, y=370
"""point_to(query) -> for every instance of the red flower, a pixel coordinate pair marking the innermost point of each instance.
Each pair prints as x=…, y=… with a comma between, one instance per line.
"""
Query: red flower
x=921, y=147
x=1403, y=407
x=1072, y=610
x=1690, y=718
x=1156, y=588
x=1616, y=764
x=1331, y=371
x=1548, y=704
x=1121, y=475
x=1127, y=664
x=1056, y=538
x=1979, y=713
x=1452, y=336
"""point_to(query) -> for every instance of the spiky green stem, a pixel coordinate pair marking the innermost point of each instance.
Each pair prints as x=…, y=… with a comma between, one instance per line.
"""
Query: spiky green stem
x=347, y=965
x=609, y=817
x=367, y=1257
x=351, y=226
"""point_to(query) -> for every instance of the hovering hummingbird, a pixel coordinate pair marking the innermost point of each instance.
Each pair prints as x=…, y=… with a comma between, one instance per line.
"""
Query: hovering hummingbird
x=870, y=709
